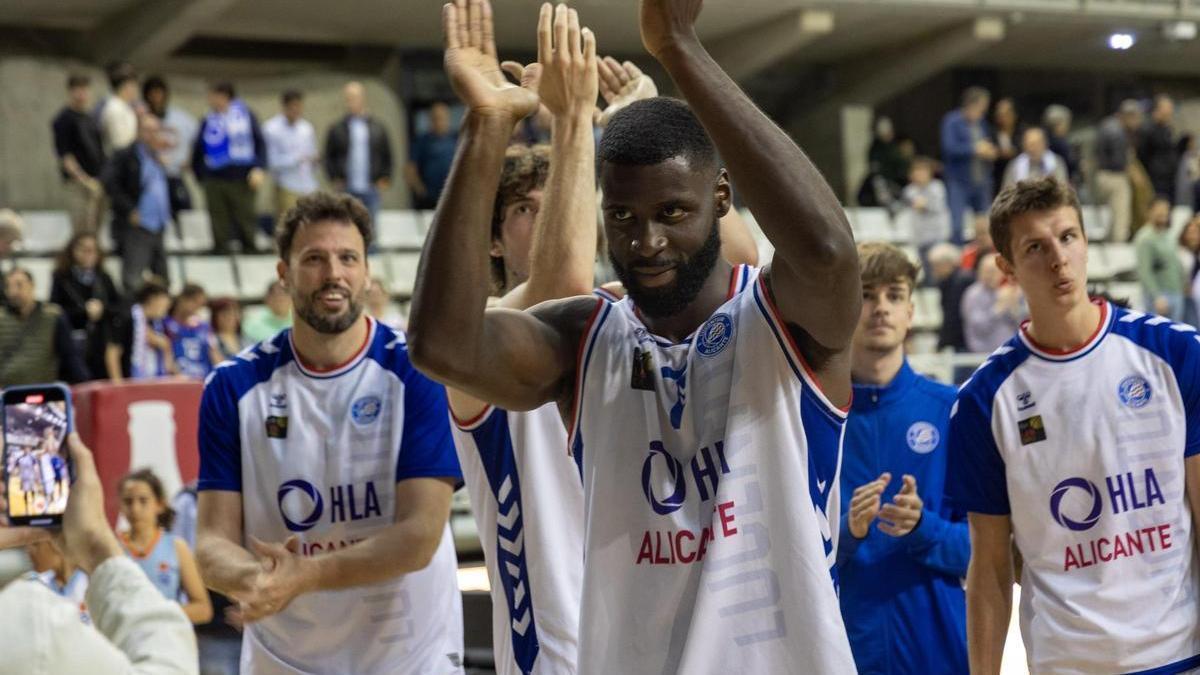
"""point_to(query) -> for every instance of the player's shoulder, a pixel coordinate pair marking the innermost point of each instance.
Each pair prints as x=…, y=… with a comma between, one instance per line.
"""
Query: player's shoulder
x=932, y=389
x=1169, y=340
x=991, y=375
x=389, y=348
x=251, y=367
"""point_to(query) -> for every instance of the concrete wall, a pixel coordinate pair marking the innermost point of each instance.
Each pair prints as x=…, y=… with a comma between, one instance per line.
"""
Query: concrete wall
x=35, y=89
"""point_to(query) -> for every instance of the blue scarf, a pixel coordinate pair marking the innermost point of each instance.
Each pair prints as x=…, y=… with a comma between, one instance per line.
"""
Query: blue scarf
x=229, y=137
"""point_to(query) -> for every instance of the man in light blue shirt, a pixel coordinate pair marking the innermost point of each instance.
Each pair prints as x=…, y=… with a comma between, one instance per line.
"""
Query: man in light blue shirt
x=136, y=183
x=291, y=152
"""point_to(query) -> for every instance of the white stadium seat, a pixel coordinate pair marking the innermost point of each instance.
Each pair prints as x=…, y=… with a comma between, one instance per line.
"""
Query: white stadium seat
x=42, y=270
x=871, y=224
x=45, y=231
x=404, y=272
x=255, y=273
x=400, y=229
x=1122, y=259
x=196, y=230
x=213, y=272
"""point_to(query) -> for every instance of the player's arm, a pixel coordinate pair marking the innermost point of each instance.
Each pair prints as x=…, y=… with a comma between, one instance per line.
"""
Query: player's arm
x=225, y=566
x=199, y=606
x=989, y=591
x=814, y=276
x=514, y=359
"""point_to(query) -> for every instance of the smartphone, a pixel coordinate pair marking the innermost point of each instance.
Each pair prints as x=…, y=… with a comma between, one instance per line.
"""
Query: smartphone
x=37, y=465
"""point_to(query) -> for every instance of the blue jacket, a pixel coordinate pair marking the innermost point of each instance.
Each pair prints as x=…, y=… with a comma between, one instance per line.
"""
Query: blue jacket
x=958, y=148
x=902, y=598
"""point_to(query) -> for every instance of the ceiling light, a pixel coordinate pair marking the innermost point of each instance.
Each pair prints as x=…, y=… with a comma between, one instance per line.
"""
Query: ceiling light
x=1120, y=41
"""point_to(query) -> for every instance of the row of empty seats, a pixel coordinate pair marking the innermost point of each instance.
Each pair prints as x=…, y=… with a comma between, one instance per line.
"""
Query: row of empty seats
x=48, y=231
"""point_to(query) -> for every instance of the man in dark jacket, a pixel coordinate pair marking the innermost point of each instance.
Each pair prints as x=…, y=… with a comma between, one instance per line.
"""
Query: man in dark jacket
x=229, y=159
x=35, y=339
x=80, y=155
x=1158, y=148
x=141, y=204
x=358, y=154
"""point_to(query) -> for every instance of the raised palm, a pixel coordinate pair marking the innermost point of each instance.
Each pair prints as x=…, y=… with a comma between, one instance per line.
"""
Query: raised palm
x=665, y=22
x=471, y=64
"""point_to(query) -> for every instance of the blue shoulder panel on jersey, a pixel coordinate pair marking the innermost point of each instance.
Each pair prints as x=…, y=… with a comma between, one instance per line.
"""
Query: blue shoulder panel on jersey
x=219, y=432
x=1177, y=344
x=975, y=474
x=823, y=435
x=496, y=453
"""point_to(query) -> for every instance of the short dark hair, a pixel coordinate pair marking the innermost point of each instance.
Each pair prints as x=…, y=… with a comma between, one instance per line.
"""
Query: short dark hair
x=653, y=130
x=191, y=290
x=973, y=95
x=77, y=80
x=321, y=206
x=1028, y=196
x=149, y=290
x=525, y=170
x=153, y=83
x=290, y=95
x=223, y=87
x=881, y=263
x=119, y=73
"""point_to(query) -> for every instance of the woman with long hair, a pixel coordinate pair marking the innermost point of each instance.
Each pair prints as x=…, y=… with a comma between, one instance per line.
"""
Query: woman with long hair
x=226, y=317
x=87, y=296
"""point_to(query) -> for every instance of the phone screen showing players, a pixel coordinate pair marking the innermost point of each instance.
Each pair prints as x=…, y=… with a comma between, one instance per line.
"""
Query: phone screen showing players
x=35, y=450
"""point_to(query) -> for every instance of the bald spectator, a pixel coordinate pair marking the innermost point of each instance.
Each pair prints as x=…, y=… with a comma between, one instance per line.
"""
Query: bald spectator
x=1114, y=149
x=430, y=158
x=991, y=308
x=35, y=338
x=1057, y=122
x=1158, y=147
x=1035, y=161
x=358, y=154
x=80, y=154
x=136, y=181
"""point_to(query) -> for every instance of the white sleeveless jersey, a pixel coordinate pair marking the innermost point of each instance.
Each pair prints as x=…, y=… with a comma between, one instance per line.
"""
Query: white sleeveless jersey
x=710, y=476
x=1085, y=450
x=528, y=505
x=318, y=454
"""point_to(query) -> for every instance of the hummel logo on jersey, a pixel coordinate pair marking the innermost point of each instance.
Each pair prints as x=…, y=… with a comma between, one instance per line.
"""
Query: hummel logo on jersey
x=278, y=400
x=1032, y=430
x=1025, y=398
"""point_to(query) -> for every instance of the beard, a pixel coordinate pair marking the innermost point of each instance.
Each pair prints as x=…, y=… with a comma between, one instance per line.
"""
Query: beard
x=690, y=275
x=329, y=324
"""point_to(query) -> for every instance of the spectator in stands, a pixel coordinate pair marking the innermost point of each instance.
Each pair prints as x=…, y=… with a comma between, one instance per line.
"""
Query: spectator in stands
x=1158, y=266
x=228, y=160
x=902, y=550
x=12, y=226
x=1006, y=136
x=291, y=152
x=60, y=574
x=358, y=153
x=952, y=281
x=118, y=114
x=137, y=186
x=179, y=134
x=1114, y=148
x=35, y=338
x=137, y=345
x=226, y=316
x=967, y=157
x=80, y=154
x=134, y=630
x=1157, y=147
x=1188, y=172
x=379, y=304
x=88, y=297
x=264, y=322
x=925, y=198
x=992, y=308
x=1189, y=257
x=1057, y=122
x=885, y=156
x=1035, y=161
x=192, y=341
x=430, y=157
x=979, y=246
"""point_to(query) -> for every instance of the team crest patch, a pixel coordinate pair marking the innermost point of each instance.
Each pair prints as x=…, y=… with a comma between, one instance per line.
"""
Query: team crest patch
x=1134, y=391
x=277, y=426
x=1032, y=430
x=642, y=376
x=923, y=438
x=714, y=335
x=366, y=410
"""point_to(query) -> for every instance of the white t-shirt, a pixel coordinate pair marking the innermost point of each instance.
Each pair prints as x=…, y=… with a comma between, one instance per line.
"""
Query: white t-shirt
x=710, y=476
x=1085, y=450
x=318, y=454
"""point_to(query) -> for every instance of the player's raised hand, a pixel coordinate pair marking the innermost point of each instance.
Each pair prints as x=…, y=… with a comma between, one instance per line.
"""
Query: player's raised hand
x=567, y=55
x=668, y=23
x=904, y=513
x=470, y=62
x=622, y=84
x=864, y=505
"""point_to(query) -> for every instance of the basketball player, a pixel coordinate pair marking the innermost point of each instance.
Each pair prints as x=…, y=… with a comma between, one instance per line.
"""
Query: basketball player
x=1078, y=440
x=677, y=559
x=27, y=466
x=326, y=437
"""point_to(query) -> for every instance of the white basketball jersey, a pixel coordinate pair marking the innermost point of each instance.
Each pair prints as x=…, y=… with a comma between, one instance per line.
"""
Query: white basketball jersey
x=1085, y=450
x=528, y=506
x=318, y=454
x=710, y=476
